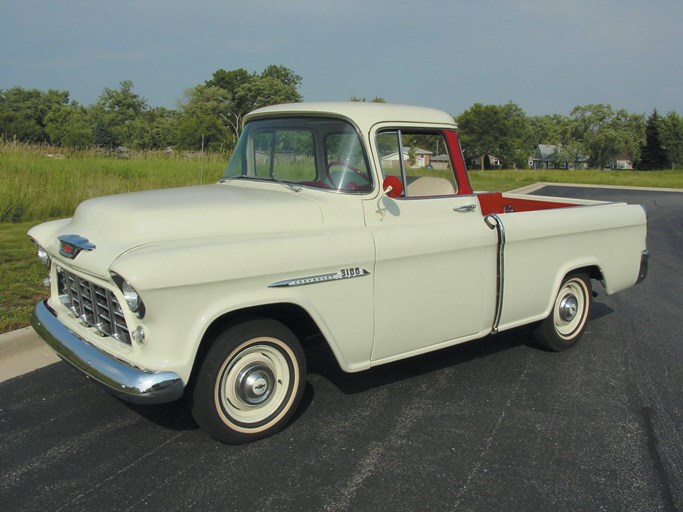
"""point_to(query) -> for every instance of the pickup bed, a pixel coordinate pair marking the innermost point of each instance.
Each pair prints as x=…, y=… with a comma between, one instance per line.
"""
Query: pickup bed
x=351, y=223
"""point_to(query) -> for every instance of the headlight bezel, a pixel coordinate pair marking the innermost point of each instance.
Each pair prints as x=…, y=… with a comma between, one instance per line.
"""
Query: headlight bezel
x=42, y=254
x=130, y=295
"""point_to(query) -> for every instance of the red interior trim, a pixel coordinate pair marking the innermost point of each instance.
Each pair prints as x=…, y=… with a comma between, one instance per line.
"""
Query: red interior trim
x=494, y=202
x=461, y=177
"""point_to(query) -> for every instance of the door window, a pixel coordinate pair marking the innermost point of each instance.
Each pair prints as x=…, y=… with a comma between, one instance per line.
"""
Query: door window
x=419, y=159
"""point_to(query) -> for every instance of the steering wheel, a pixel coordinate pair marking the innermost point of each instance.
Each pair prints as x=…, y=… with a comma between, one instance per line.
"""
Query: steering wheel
x=361, y=174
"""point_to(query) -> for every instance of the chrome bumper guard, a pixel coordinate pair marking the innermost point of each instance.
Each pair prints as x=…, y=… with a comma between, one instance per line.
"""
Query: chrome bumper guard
x=120, y=378
x=642, y=273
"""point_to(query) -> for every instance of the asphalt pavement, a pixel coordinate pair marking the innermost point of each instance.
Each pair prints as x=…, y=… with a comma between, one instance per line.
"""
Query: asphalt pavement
x=495, y=424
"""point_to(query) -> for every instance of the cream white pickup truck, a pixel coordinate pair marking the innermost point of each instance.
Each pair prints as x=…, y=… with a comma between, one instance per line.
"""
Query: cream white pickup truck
x=350, y=222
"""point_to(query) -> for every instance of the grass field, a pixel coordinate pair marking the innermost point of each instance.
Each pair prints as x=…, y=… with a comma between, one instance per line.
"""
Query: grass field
x=36, y=185
x=509, y=180
x=21, y=276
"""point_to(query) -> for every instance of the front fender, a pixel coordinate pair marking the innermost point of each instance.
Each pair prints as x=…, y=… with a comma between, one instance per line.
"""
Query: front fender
x=188, y=285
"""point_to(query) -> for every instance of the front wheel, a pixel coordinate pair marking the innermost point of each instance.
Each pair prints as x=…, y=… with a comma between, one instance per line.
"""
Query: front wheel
x=250, y=382
x=566, y=323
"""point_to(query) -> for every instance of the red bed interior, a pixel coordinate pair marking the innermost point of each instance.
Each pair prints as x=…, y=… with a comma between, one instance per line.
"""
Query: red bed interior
x=494, y=202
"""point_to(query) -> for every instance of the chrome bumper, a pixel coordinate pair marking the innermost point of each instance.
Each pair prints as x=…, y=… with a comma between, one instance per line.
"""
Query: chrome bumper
x=121, y=379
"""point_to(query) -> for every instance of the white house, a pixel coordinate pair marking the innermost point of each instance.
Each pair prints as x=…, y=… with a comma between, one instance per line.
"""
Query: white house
x=546, y=157
x=422, y=158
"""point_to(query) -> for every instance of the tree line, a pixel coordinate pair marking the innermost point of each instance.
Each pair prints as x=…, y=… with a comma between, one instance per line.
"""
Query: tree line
x=210, y=115
x=596, y=134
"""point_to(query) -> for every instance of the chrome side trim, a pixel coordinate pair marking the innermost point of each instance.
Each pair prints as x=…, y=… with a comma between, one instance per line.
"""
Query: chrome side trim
x=123, y=380
x=493, y=221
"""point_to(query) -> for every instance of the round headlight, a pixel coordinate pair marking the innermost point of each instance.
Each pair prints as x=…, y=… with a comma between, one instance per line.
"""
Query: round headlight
x=131, y=296
x=42, y=255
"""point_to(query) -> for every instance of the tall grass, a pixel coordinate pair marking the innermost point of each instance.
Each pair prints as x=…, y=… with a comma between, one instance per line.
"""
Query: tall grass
x=38, y=182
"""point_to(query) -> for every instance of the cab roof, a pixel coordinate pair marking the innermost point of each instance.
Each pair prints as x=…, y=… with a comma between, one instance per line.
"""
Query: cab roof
x=364, y=115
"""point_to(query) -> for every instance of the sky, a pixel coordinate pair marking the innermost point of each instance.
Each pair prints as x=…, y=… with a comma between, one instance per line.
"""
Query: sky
x=545, y=55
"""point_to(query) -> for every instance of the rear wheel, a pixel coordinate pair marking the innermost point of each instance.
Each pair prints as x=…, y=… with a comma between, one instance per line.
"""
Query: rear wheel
x=250, y=382
x=566, y=323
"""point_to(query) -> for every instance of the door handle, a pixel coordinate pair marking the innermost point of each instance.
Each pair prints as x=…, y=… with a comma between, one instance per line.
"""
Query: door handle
x=466, y=208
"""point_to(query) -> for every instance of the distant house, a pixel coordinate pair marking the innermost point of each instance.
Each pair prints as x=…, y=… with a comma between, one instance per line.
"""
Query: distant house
x=440, y=162
x=422, y=158
x=547, y=156
x=623, y=161
x=476, y=161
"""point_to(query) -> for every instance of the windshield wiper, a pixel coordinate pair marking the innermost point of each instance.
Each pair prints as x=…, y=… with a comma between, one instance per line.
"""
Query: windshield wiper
x=228, y=178
x=290, y=186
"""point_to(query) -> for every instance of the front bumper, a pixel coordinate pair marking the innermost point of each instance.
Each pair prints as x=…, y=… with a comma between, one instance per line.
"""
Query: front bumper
x=120, y=378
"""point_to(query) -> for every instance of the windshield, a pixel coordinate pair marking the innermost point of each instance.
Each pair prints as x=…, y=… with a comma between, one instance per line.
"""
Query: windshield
x=315, y=152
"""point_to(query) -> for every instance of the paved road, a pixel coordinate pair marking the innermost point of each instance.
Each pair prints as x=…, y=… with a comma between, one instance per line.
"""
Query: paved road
x=490, y=425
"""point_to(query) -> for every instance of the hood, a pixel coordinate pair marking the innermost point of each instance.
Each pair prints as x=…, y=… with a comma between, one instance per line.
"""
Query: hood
x=116, y=224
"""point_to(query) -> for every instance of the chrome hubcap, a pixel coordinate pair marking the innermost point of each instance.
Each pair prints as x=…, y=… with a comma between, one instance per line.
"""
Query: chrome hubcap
x=254, y=384
x=569, y=306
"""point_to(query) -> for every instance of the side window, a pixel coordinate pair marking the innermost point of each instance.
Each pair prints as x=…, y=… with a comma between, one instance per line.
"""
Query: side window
x=419, y=159
x=389, y=148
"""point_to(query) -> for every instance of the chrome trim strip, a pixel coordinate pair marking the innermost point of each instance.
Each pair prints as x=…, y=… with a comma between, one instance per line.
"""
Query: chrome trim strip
x=346, y=273
x=493, y=221
x=123, y=380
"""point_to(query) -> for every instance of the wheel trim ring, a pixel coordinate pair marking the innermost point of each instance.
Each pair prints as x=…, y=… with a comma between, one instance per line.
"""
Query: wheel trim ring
x=573, y=290
x=276, y=407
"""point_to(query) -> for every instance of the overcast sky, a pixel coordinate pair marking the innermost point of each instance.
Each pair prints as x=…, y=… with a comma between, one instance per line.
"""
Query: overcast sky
x=545, y=55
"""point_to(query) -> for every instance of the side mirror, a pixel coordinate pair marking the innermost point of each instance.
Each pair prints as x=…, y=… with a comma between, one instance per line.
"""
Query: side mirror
x=392, y=186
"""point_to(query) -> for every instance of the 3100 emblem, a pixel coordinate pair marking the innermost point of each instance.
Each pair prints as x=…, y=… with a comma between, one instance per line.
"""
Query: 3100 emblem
x=352, y=272
x=344, y=273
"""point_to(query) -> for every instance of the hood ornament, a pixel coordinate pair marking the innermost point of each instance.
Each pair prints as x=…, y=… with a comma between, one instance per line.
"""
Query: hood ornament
x=71, y=245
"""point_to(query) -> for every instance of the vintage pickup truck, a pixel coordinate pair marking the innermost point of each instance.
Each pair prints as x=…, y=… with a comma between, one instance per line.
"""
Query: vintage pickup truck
x=347, y=222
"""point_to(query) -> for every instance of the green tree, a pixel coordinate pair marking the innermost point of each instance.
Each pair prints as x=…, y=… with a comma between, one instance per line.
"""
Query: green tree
x=606, y=133
x=117, y=114
x=70, y=126
x=155, y=128
x=229, y=80
x=554, y=129
x=244, y=92
x=652, y=155
x=202, y=118
x=283, y=75
x=517, y=144
x=481, y=130
x=671, y=136
x=500, y=130
x=23, y=112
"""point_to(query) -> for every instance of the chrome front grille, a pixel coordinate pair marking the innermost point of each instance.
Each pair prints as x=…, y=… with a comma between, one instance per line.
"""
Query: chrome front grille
x=93, y=305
